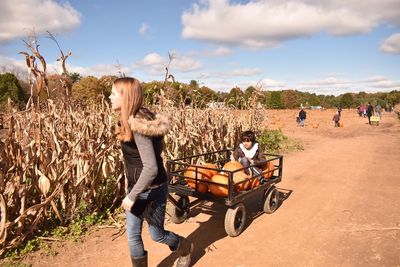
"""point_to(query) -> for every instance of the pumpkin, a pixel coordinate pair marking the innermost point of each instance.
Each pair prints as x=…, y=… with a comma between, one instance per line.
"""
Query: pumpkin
x=201, y=175
x=221, y=188
x=254, y=183
x=207, y=172
x=239, y=177
x=268, y=169
x=232, y=166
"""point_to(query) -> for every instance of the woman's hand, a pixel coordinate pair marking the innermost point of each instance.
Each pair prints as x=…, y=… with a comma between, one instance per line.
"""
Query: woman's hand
x=127, y=203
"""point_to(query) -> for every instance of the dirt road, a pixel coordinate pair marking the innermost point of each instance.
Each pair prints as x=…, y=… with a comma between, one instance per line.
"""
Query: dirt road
x=342, y=207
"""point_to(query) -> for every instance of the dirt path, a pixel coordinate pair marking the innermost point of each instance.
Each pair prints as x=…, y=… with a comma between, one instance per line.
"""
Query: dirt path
x=342, y=208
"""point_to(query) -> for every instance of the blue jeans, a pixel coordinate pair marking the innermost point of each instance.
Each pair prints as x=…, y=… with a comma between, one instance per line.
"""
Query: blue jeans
x=155, y=201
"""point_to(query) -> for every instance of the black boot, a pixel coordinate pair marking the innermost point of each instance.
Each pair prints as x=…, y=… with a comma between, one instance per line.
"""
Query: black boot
x=140, y=261
x=185, y=251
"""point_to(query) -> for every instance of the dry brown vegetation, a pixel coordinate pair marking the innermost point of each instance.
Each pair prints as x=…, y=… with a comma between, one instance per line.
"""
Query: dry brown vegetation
x=54, y=159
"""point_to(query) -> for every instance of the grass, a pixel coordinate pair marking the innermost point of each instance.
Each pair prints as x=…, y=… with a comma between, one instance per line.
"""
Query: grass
x=274, y=141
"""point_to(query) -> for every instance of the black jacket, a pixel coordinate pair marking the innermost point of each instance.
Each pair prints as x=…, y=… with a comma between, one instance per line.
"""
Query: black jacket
x=153, y=127
x=302, y=115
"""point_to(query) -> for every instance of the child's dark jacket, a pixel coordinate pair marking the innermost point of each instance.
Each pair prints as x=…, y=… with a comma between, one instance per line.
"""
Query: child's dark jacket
x=259, y=157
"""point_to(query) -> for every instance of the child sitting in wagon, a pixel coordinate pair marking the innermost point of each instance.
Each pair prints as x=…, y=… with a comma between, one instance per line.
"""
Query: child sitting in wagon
x=250, y=153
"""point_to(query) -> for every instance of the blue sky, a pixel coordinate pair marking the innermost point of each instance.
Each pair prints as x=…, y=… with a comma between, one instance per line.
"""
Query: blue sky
x=326, y=47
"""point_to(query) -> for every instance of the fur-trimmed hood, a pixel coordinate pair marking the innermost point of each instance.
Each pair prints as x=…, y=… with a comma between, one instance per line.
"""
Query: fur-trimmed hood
x=153, y=128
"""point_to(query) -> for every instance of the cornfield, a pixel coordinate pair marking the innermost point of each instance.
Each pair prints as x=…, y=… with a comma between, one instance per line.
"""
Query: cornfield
x=56, y=158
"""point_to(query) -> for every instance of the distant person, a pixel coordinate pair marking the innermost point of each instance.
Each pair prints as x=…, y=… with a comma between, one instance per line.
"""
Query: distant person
x=378, y=110
x=302, y=117
x=141, y=137
x=339, y=110
x=249, y=153
x=370, y=112
x=364, y=111
x=359, y=112
x=336, y=119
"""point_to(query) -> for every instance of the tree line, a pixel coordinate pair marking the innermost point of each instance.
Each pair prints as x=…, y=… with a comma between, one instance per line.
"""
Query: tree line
x=90, y=88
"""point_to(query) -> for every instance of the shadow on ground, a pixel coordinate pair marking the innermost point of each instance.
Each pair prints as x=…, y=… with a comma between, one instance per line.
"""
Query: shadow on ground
x=213, y=229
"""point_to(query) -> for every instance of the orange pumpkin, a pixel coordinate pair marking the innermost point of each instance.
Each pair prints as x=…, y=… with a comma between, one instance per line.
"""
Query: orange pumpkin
x=207, y=172
x=239, y=177
x=201, y=175
x=254, y=183
x=221, y=188
x=232, y=166
x=268, y=169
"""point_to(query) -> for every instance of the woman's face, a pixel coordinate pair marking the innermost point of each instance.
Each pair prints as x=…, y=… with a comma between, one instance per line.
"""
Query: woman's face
x=116, y=99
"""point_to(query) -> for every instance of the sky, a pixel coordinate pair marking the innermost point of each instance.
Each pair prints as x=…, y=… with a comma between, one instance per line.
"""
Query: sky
x=318, y=46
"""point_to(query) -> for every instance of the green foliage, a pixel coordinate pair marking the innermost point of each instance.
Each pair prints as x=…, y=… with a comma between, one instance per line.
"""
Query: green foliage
x=23, y=249
x=194, y=84
x=84, y=219
x=275, y=101
x=87, y=88
x=236, y=98
x=347, y=101
x=10, y=88
x=74, y=76
x=274, y=141
x=314, y=100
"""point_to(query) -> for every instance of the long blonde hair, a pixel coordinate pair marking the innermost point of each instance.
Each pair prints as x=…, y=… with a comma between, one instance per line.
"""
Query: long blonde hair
x=132, y=100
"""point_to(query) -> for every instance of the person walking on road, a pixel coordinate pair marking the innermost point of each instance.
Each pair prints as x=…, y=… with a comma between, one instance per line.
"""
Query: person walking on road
x=302, y=117
x=370, y=112
x=141, y=136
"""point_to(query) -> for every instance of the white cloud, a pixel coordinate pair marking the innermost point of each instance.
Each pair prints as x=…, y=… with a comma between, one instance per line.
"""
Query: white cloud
x=266, y=23
x=391, y=44
x=246, y=72
x=144, y=29
x=273, y=84
x=336, y=86
x=185, y=63
x=221, y=51
x=98, y=70
x=19, y=68
x=331, y=82
x=12, y=65
x=381, y=82
x=19, y=18
x=220, y=85
x=155, y=64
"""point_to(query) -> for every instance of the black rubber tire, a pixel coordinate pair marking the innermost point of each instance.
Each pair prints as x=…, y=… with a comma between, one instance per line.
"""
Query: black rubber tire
x=271, y=202
x=235, y=219
x=179, y=216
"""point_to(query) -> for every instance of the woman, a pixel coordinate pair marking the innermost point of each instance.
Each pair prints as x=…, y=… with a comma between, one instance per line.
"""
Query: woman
x=141, y=135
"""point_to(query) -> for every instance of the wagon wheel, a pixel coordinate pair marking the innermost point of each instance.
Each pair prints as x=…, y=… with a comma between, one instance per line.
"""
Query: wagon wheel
x=180, y=213
x=3, y=218
x=235, y=219
x=271, y=200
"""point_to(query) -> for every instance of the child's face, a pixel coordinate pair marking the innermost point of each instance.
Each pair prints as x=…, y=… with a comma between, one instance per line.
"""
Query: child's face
x=247, y=143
